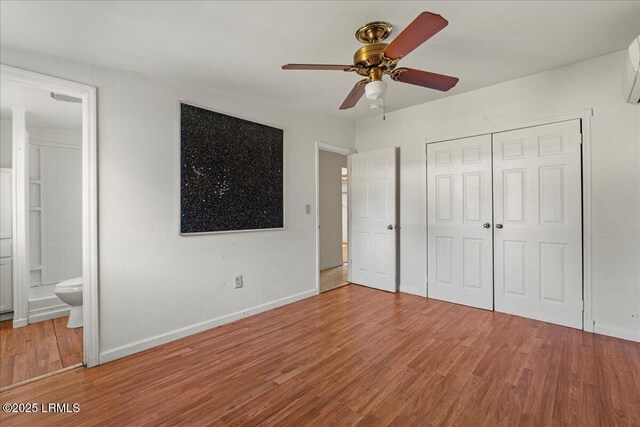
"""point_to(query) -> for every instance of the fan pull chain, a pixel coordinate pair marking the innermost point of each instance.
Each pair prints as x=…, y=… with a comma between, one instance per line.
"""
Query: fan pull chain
x=384, y=116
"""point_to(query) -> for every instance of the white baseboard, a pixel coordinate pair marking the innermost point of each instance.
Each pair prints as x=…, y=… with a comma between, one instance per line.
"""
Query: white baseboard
x=19, y=323
x=625, y=335
x=144, y=344
x=48, y=313
x=334, y=265
x=413, y=291
x=6, y=316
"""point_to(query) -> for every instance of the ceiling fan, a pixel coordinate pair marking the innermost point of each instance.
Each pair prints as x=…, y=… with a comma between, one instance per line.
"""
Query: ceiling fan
x=376, y=59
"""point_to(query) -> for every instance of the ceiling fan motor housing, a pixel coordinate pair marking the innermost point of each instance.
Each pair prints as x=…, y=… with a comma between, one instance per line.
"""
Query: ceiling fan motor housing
x=369, y=55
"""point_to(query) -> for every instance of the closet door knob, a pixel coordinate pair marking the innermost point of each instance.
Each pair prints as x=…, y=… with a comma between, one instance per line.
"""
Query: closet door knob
x=499, y=225
x=389, y=227
x=486, y=225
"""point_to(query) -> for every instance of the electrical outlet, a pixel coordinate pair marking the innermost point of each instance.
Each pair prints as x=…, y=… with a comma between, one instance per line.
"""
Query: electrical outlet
x=307, y=209
x=237, y=281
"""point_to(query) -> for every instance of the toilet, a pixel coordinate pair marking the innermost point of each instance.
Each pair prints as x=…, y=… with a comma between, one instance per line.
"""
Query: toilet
x=70, y=292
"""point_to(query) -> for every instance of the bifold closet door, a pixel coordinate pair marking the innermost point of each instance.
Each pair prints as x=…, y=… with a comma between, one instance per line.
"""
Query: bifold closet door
x=459, y=221
x=538, y=230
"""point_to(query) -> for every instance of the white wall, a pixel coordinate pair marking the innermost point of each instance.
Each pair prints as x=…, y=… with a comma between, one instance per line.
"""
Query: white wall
x=615, y=172
x=6, y=133
x=154, y=282
x=330, y=207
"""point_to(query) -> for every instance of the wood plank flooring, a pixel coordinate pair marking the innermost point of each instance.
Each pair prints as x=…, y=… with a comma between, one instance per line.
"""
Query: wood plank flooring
x=357, y=356
x=37, y=349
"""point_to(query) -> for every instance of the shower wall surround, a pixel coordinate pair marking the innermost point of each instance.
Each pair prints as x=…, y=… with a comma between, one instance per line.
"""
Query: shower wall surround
x=55, y=216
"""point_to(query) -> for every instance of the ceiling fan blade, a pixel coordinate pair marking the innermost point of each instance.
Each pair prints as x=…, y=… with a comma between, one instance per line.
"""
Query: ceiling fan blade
x=425, y=26
x=328, y=67
x=354, y=96
x=424, y=79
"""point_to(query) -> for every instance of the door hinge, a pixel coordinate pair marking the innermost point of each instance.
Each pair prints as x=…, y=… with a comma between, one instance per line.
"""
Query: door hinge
x=582, y=305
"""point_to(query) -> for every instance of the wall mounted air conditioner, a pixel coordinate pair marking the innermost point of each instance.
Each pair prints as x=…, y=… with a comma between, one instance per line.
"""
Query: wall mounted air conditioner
x=631, y=78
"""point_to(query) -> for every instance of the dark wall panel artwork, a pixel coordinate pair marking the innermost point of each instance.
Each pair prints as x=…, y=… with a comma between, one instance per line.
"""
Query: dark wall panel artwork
x=231, y=173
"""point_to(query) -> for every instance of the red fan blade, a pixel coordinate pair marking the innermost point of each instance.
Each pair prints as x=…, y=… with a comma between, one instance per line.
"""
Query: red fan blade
x=424, y=79
x=425, y=26
x=317, y=67
x=354, y=96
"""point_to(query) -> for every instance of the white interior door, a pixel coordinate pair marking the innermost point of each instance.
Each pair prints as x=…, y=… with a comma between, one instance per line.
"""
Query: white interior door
x=538, y=235
x=372, y=234
x=459, y=221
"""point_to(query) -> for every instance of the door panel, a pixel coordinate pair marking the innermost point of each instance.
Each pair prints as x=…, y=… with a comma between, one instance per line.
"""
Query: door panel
x=373, y=183
x=537, y=196
x=459, y=204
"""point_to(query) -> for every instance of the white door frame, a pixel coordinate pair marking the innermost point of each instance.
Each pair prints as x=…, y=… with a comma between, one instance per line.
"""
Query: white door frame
x=585, y=120
x=89, y=204
x=323, y=146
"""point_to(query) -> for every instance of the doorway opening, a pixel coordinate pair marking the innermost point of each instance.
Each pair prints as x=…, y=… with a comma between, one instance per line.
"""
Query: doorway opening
x=332, y=196
x=48, y=262
x=332, y=216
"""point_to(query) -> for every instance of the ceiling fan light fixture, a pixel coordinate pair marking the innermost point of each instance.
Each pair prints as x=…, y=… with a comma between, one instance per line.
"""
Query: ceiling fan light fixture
x=376, y=105
x=375, y=90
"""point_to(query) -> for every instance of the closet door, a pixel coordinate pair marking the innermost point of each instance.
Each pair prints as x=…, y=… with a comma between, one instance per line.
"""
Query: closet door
x=459, y=221
x=538, y=230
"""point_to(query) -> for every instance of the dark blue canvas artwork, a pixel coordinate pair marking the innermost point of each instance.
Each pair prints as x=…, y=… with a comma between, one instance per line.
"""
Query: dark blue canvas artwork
x=231, y=173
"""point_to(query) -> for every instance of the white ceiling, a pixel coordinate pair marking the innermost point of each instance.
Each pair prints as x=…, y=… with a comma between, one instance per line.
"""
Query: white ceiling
x=238, y=47
x=42, y=111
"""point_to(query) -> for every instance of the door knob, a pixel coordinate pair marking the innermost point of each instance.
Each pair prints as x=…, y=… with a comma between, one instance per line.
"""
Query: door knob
x=498, y=225
x=389, y=227
x=486, y=225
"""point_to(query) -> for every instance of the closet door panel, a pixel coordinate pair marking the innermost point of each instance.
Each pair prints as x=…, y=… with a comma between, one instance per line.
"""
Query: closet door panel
x=459, y=205
x=538, y=214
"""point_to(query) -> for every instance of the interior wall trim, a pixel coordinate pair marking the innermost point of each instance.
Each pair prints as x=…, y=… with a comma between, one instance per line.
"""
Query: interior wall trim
x=54, y=144
x=20, y=217
x=331, y=265
x=48, y=313
x=617, y=333
x=146, y=343
x=588, y=322
x=579, y=115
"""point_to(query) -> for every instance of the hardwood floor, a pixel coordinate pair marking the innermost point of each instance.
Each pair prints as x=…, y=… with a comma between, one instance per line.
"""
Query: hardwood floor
x=37, y=349
x=358, y=356
x=333, y=278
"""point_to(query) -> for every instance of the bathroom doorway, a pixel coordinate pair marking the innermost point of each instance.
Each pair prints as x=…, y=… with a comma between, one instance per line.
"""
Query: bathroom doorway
x=48, y=264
